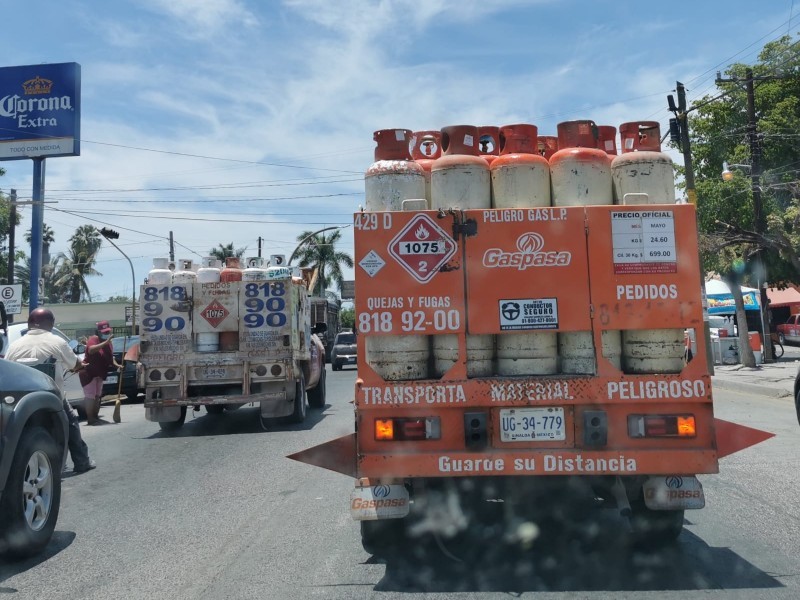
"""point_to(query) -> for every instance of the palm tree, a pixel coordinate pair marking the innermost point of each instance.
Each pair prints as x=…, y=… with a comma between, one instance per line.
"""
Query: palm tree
x=78, y=262
x=320, y=251
x=48, y=237
x=51, y=272
x=222, y=252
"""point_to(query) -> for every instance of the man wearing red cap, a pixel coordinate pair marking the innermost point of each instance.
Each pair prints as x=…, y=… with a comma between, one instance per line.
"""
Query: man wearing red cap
x=99, y=359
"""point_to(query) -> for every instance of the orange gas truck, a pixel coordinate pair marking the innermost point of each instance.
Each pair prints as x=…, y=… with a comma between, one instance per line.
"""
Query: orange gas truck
x=521, y=334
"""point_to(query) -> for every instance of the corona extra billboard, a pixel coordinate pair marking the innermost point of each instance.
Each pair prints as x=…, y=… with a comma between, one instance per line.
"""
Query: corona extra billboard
x=40, y=112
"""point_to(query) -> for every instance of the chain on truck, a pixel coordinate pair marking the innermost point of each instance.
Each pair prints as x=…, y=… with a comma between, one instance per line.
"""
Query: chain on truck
x=521, y=321
x=226, y=337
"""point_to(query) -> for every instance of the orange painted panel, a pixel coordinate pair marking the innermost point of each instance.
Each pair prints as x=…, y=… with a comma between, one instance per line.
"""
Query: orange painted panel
x=527, y=270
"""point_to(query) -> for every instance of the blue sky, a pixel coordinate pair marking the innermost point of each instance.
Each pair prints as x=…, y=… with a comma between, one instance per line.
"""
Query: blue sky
x=226, y=120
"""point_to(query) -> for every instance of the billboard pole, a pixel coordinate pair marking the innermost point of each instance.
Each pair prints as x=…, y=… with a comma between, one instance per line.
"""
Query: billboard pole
x=37, y=225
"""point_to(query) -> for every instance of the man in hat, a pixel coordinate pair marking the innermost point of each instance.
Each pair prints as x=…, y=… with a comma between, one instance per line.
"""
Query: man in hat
x=40, y=345
x=98, y=360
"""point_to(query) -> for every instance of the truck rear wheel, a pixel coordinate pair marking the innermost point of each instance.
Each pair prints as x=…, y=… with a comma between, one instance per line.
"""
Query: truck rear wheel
x=299, y=414
x=653, y=528
x=316, y=397
x=380, y=537
x=174, y=425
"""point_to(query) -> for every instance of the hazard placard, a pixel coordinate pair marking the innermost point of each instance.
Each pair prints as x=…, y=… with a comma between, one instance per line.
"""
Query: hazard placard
x=422, y=248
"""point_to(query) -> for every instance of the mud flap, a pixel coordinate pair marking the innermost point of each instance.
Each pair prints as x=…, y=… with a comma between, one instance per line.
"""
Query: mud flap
x=374, y=502
x=673, y=492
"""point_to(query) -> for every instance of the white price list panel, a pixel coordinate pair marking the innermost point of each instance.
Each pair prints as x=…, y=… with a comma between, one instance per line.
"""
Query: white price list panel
x=644, y=241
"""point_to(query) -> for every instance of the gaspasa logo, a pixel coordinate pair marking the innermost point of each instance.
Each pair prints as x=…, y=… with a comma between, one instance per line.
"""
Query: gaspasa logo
x=530, y=253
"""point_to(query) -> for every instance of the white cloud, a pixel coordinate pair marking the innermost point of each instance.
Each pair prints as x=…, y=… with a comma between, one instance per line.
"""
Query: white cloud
x=205, y=18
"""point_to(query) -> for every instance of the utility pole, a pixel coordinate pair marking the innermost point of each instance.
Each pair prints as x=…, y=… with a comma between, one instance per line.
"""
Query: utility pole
x=12, y=227
x=259, y=246
x=755, y=187
x=679, y=133
x=171, y=248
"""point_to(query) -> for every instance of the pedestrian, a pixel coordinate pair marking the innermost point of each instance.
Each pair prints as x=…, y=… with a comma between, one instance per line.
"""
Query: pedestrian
x=99, y=358
x=3, y=318
x=43, y=345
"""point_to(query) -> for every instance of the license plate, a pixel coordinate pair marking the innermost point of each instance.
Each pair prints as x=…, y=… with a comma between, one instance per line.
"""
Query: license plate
x=351, y=359
x=111, y=379
x=532, y=424
x=213, y=373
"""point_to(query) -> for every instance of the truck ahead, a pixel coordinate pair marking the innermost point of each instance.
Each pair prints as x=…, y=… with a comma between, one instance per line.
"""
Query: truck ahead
x=274, y=359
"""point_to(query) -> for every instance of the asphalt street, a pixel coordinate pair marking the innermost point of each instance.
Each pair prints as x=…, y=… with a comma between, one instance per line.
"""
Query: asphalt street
x=217, y=511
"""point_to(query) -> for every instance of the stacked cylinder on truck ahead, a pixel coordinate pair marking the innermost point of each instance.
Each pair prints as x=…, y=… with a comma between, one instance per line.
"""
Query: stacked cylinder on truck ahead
x=579, y=167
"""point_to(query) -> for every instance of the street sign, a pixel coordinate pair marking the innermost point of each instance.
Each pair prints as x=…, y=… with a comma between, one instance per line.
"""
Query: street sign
x=129, y=315
x=422, y=248
x=11, y=296
x=348, y=289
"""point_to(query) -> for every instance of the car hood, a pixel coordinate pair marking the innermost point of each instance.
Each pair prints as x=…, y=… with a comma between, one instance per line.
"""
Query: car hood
x=16, y=379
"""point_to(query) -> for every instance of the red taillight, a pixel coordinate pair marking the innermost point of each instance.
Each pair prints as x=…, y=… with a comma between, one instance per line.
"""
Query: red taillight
x=408, y=429
x=640, y=426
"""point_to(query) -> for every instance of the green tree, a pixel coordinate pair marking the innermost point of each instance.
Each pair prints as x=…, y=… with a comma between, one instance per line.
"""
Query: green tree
x=51, y=272
x=726, y=216
x=5, y=223
x=222, y=252
x=78, y=262
x=119, y=299
x=319, y=251
x=347, y=318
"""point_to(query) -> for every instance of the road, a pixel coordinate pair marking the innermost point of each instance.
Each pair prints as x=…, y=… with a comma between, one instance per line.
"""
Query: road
x=216, y=511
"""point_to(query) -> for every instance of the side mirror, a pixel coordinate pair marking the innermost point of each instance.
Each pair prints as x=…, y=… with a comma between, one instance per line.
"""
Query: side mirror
x=79, y=349
x=319, y=328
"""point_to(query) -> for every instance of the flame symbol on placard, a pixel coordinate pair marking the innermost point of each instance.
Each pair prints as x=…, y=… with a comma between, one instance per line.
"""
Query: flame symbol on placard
x=422, y=233
x=530, y=242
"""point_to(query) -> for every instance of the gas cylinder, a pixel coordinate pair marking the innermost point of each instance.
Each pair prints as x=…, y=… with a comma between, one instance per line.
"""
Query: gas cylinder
x=393, y=177
x=160, y=272
x=232, y=271
x=643, y=174
x=521, y=179
x=184, y=272
x=426, y=148
x=461, y=179
x=580, y=173
x=489, y=143
x=607, y=139
x=642, y=168
x=208, y=273
x=548, y=145
x=255, y=270
x=652, y=350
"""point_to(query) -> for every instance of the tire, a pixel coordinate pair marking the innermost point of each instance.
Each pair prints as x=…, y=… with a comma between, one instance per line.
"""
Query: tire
x=655, y=528
x=316, y=397
x=797, y=405
x=215, y=409
x=336, y=366
x=174, y=425
x=34, y=482
x=379, y=538
x=299, y=414
x=781, y=338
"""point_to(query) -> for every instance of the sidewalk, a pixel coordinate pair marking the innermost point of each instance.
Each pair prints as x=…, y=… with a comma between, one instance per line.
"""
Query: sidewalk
x=775, y=379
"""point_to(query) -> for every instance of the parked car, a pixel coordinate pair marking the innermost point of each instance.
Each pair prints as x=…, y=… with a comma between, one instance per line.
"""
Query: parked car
x=130, y=372
x=344, y=350
x=33, y=445
x=17, y=330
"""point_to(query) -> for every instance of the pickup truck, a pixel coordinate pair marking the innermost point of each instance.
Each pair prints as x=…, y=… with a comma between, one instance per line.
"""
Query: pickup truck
x=790, y=331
